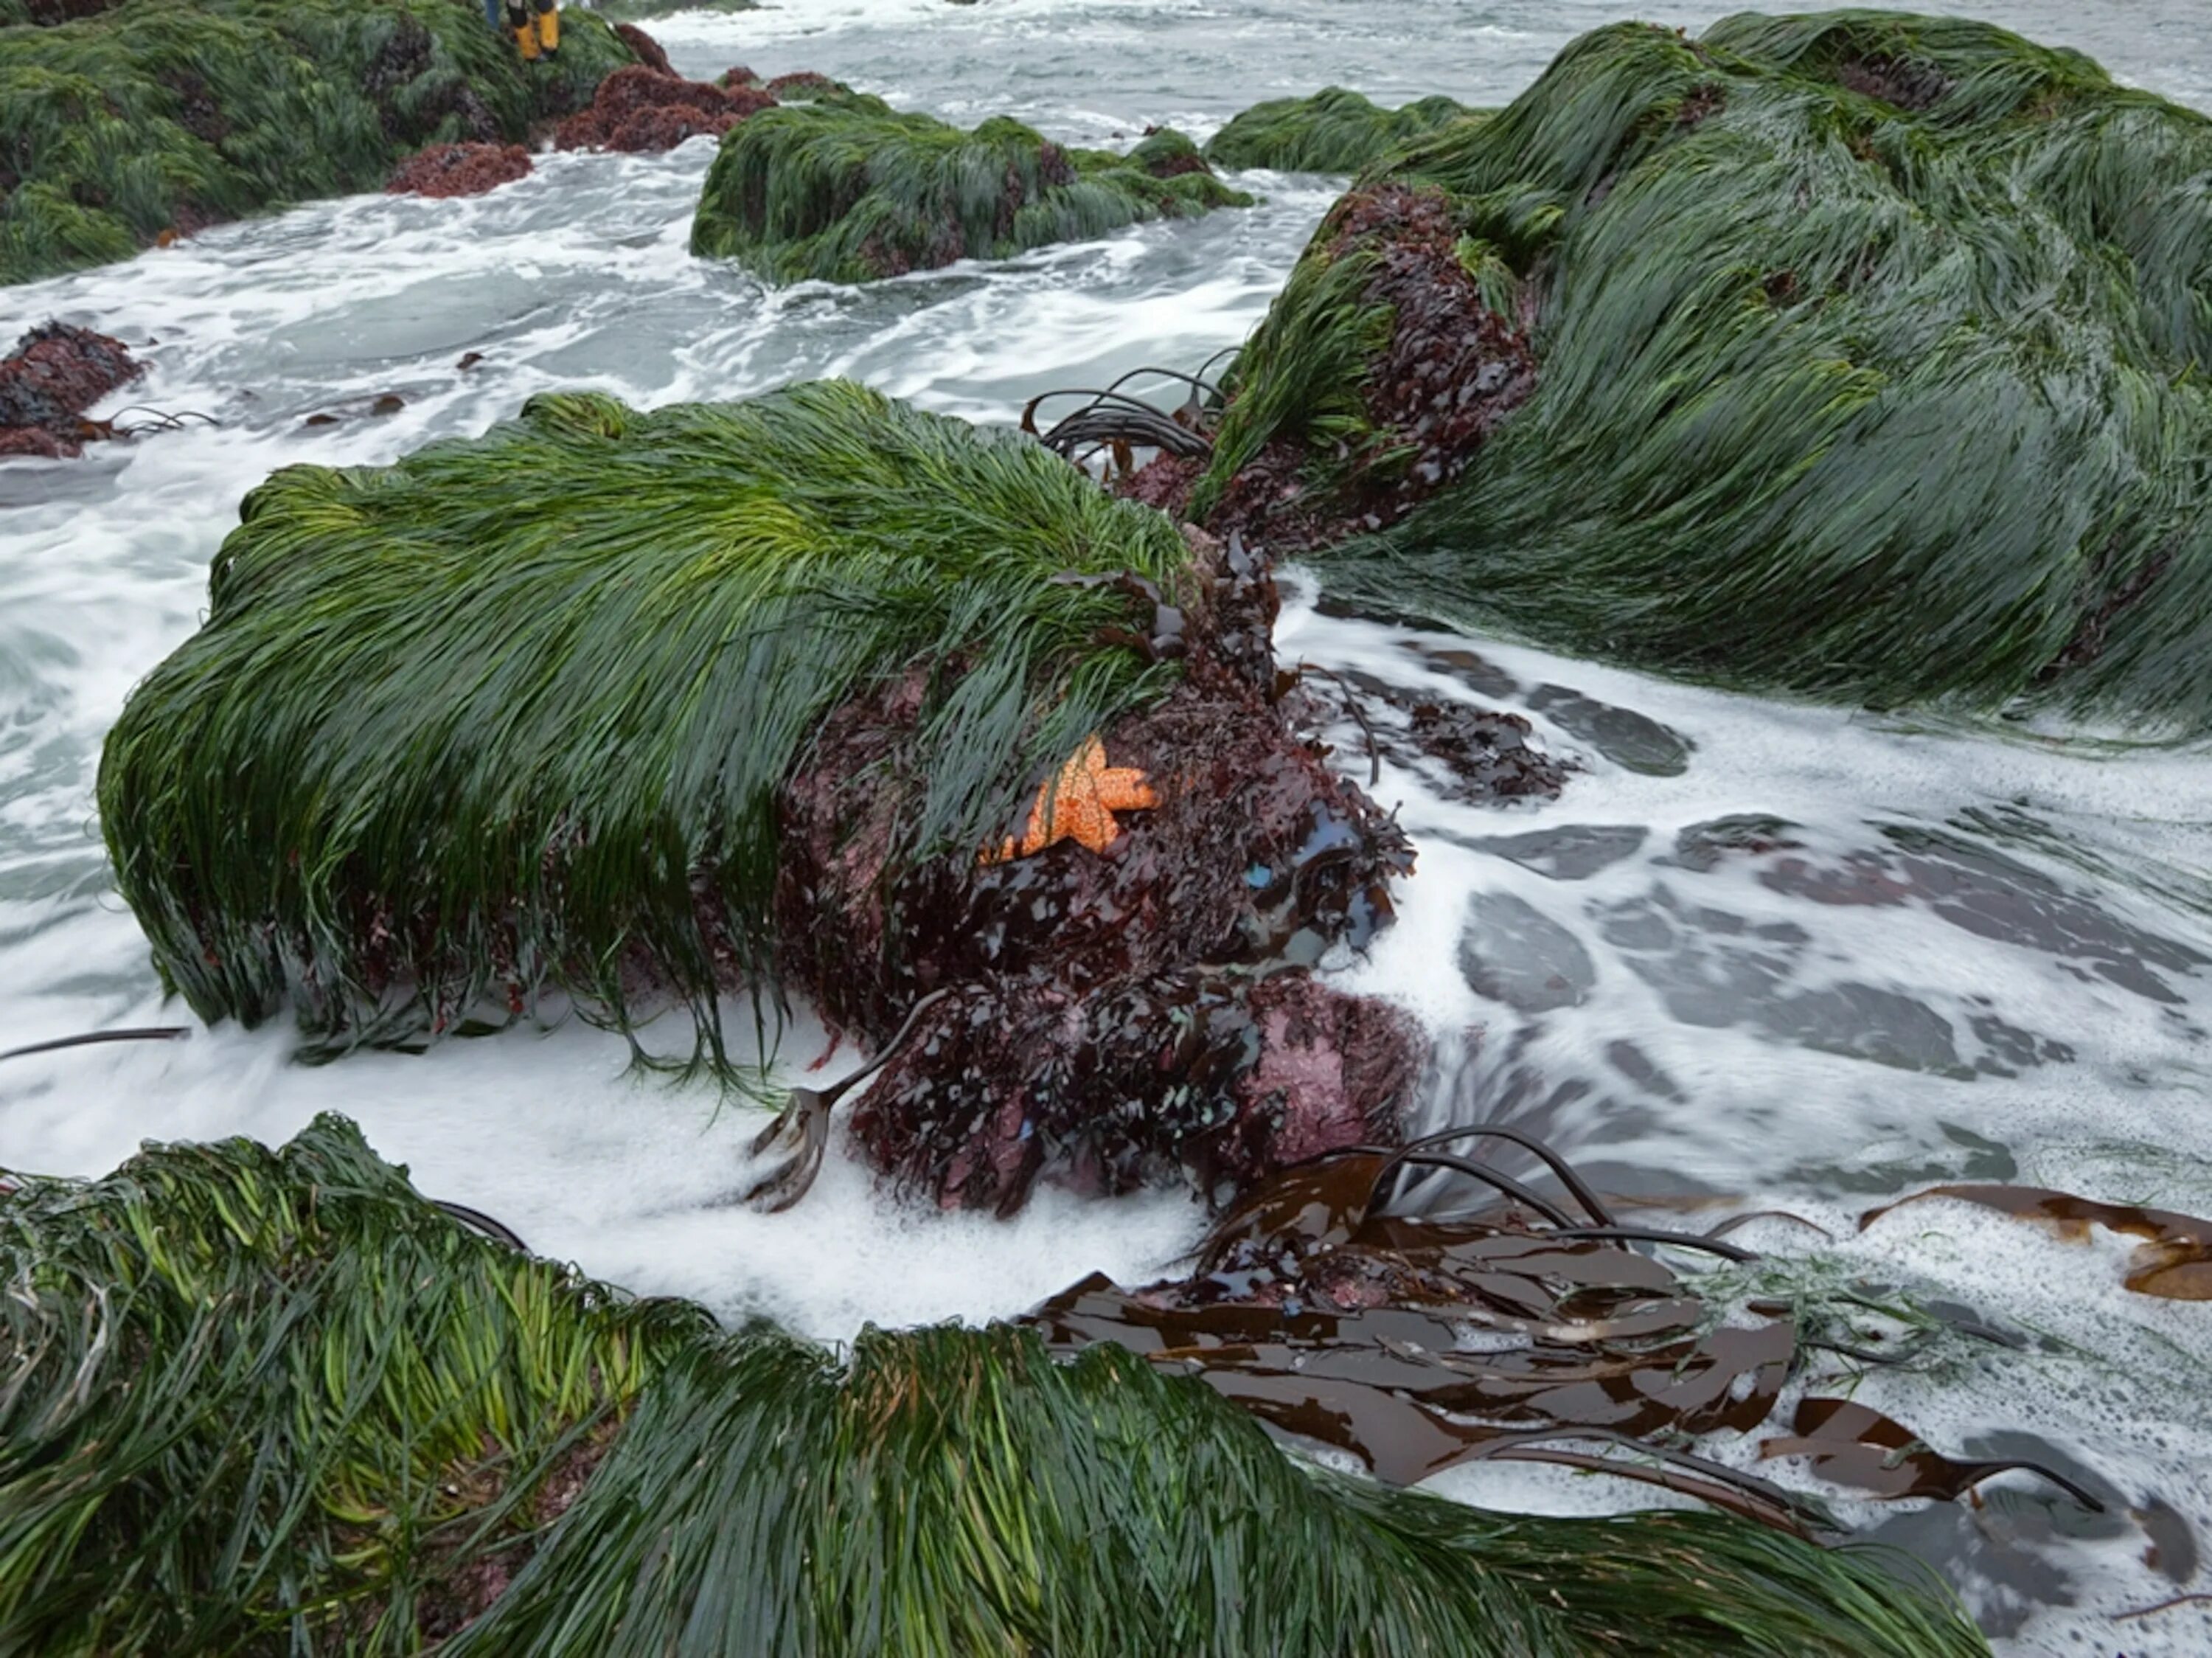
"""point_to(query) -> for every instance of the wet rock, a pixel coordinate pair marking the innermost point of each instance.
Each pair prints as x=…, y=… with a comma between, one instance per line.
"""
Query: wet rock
x=1450, y=370
x=1633, y=741
x=646, y=50
x=1478, y=673
x=1703, y=845
x=1993, y=896
x=462, y=169
x=54, y=374
x=1112, y=1018
x=1715, y=968
x=1512, y=952
x=1573, y=851
x=1476, y=756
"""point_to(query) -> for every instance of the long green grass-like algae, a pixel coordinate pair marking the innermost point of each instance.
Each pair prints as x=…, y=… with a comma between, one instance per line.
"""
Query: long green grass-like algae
x=852, y=191
x=262, y=1401
x=510, y=715
x=165, y=116
x=1869, y=354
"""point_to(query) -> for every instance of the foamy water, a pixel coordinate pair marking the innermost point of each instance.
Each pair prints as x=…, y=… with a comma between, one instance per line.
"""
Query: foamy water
x=1912, y=953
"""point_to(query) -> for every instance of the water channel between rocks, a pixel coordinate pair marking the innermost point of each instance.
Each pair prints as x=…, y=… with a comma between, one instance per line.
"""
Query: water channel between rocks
x=1807, y=957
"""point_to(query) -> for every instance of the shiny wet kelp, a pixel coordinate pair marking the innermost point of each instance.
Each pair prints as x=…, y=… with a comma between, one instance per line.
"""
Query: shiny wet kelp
x=1865, y=359
x=850, y=191
x=1335, y=130
x=511, y=715
x=166, y=116
x=267, y=1402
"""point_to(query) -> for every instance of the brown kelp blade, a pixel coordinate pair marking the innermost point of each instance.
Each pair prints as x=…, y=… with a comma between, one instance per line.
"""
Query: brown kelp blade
x=1519, y=1334
x=2175, y=1262
x=1855, y=1445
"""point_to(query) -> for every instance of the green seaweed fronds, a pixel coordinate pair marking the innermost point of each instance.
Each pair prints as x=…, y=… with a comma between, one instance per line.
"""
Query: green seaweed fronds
x=853, y=192
x=1870, y=354
x=1334, y=131
x=275, y=1402
x=514, y=712
x=171, y=114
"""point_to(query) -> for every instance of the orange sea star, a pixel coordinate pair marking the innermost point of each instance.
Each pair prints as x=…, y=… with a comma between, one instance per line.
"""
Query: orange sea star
x=1079, y=805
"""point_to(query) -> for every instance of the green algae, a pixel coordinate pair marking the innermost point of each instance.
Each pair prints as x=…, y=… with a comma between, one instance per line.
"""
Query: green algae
x=853, y=192
x=1869, y=357
x=170, y=115
x=511, y=715
x=1334, y=131
x=265, y=1402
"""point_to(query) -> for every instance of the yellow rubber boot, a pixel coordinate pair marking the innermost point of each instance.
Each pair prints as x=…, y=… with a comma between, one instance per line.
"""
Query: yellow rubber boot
x=549, y=29
x=526, y=38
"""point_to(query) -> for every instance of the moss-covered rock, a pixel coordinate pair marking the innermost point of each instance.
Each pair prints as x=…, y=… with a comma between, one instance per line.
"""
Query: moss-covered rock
x=170, y=115
x=849, y=191
x=1860, y=355
x=272, y=1402
x=1335, y=130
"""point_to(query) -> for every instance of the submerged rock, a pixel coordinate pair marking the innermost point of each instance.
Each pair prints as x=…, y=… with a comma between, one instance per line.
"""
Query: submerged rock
x=166, y=116
x=54, y=374
x=1856, y=354
x=1335, y=130
x=850, y=191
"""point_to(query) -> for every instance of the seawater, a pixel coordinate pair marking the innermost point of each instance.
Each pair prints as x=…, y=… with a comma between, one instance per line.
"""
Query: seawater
x=1756, y=953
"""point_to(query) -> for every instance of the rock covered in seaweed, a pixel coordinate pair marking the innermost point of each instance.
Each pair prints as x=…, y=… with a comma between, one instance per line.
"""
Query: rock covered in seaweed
x=1334, y=131
x=171, y=115
x=553, y=1466
x=827, y=646
x=1112, y=1018
x=849, y=191
x=1856, y=354
x=54, y=374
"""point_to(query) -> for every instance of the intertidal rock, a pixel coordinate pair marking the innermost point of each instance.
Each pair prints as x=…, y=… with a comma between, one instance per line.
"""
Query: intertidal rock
x=1855, y=355
x=162, y=116
x=1333, y=131
x=55, y=374
x=1112, y=1018
x=642, y=110
x=847, y=190
x=459, y=170
x=828, y=652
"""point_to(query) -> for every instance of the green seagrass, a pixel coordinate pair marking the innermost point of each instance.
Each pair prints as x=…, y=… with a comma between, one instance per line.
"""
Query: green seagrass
x=512, y=714
x=1335, y=130
x=855, y=192
x=169, y=114
x=1871, y=358
x=275, y=1402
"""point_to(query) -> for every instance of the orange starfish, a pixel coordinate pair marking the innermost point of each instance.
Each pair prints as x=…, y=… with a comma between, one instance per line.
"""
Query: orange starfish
x=1079, y=805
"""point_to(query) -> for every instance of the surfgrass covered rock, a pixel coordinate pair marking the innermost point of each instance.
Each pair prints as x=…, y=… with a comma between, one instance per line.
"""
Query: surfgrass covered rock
x=623, y=712
x=848, y=190
x=266, y=1401
x=513, y=713
x=171, y=115
x=1334, y=131
x=1857, y=355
